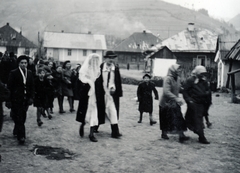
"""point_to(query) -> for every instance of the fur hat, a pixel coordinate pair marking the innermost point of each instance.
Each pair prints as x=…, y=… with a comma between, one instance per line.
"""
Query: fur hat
x=110, y=54
x=20, y=58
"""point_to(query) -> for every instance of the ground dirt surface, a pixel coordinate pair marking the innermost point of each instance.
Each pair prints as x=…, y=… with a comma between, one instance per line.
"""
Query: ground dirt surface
x=140, y=149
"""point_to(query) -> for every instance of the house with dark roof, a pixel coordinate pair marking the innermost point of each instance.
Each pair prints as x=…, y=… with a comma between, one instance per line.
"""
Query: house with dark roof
x=13, y=41
x=226, y=61
x=75, y=47
x=193, y=46
x=130, y=51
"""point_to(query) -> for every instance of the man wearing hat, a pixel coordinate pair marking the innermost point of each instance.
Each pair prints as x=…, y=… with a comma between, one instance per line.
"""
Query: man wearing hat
x=111, y=84
x=21, y=86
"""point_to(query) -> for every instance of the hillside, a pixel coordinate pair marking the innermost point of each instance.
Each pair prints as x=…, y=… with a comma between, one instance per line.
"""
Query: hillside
x=236, y=22
x=119, y=17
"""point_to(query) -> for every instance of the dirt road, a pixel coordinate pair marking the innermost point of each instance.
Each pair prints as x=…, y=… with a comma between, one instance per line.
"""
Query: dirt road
x=139, y=150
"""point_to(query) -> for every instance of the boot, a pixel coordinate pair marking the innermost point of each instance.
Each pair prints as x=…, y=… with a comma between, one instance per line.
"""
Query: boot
x=96, y=129
x=115, y=131
x=209, y=124
x=202, y=139
x=151, y=120
x=140, y=118
x=49, y=115
x=81, y=130
x=182, y=137
x=164, y=135
x=70, y=100
x=60, y=103
x=91, y=136
x=39, y=122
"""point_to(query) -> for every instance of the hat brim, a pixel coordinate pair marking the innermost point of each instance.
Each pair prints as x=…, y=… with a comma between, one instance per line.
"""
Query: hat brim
x=110, y=56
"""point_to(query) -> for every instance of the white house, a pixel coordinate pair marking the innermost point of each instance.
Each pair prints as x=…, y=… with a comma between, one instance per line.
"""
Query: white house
x=75, y=47
x=13, y=41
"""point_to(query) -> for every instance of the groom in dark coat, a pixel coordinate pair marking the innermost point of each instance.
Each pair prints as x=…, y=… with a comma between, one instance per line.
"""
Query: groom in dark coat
x=21, y=86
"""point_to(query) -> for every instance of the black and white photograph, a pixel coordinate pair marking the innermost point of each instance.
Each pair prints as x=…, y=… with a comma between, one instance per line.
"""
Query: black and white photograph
x=119, y=86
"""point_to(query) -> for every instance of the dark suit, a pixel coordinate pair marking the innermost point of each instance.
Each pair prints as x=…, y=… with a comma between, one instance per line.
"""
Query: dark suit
x=21, y=97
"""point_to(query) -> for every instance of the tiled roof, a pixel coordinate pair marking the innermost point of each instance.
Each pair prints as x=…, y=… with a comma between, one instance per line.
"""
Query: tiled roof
x=10, y=37
x=74, y=41
x=234, y=53
x=198, y=40
x=137, y=42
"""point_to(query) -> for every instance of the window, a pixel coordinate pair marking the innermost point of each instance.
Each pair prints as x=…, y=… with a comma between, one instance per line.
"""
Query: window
x=84, y=52
x=94, y=51
x=201, y=60
x=27, y=51
x=69, y=52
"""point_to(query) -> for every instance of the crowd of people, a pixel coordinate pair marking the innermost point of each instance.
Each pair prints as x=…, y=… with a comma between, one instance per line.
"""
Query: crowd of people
x=97, y=86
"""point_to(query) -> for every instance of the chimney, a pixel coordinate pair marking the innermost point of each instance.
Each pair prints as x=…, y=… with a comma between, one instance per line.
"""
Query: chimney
x=8, y=24
x=144, y=31
x=62, y=30
x=190, y=27
x=89, y=32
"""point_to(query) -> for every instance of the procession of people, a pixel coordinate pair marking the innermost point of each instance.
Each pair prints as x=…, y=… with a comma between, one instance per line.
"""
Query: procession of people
x=97, y=87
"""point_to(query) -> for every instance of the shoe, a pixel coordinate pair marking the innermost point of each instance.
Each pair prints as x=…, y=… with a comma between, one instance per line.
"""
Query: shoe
x=72, y=110
x=49, y=117
x=51, y=111
x=153, y=122
x=92, y=138
x=39, y=122
x=209, y=124
x=62, y=112
x=44, y=115
x=164, y=136
x=183, y=138
x=81, y=130
x=203, y=141
x=22, y=140
x=141, y=122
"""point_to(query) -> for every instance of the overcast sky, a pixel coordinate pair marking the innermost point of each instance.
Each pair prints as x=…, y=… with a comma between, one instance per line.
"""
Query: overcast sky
x=224, y=9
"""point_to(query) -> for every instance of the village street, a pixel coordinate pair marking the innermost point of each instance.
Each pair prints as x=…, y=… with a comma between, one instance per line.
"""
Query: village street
x=140, y=149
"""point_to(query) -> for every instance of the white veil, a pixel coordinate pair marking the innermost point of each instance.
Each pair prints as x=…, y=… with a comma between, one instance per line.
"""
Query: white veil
x=90, y=71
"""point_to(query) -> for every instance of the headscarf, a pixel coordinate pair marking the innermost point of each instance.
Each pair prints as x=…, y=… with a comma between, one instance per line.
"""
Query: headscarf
x=90, y=71
x=197, y=71
x=172, y=71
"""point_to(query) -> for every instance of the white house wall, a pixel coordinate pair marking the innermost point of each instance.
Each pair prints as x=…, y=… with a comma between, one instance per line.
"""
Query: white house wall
x=76, y=55
x=2, y=49
x=21, y=51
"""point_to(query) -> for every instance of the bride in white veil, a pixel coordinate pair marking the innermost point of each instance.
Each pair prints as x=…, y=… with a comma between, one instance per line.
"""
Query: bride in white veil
x=89, y=72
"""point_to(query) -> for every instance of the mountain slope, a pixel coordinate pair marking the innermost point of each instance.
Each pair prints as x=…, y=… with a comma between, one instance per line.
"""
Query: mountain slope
x=113, y=17
x=236, y=22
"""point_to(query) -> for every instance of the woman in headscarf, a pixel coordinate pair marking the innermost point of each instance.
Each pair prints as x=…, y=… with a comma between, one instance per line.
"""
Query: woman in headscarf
x=170, y=115
x=67, y=84
x=196, y=94
x=87, y=108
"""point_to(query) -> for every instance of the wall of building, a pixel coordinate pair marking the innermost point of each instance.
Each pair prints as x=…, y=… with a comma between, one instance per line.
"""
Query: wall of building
x=2, y=49
x=235, y=66
x=76, y=56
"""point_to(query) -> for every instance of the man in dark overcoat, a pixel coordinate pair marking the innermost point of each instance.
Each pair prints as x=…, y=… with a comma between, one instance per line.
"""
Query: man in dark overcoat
x=21, y=86
x=110, y=82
